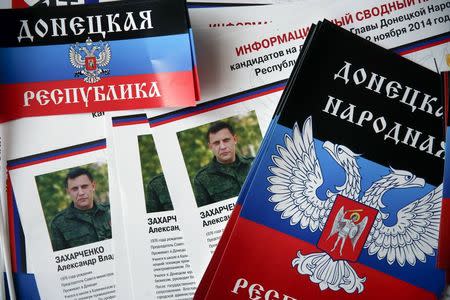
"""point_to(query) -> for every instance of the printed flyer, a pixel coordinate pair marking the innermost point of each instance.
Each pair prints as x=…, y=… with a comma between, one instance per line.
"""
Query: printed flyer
x=92, y=60
x=179, y=174
x=59, y=186
x=157, y=260
x=268, y=33
x=72, y=252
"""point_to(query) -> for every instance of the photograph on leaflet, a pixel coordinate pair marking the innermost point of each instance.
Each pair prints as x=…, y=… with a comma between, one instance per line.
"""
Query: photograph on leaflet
x=219, y=155
x=76, y=207
x=157, y=197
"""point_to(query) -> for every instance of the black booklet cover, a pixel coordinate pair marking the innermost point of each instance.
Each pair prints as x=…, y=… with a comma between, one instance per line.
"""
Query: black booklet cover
x=346, y=195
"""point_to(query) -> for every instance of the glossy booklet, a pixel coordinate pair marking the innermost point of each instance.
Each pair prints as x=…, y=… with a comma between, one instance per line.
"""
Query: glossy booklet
x=346, y=196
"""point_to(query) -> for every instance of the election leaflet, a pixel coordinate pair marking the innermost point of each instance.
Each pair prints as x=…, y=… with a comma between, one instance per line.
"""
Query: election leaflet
x=158, y=265
x=179, y=174
x=59, y=185
x=62, y=60
x=387, y=23
x=358, y=141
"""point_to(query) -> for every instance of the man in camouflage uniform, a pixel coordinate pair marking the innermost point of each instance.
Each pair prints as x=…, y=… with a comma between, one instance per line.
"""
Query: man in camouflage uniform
x=83, y=221
x=158, y=198
x=224, y=176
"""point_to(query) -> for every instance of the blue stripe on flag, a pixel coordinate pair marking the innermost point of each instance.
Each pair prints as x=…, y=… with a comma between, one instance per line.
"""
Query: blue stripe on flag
x=128, y=57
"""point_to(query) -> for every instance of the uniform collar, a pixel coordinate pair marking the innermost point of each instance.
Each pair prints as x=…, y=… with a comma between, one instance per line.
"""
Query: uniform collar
x=236, y=163
x=75, y=211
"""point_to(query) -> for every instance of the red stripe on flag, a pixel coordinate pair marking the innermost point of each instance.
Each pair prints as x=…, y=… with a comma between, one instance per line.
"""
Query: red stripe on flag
x=58, y=97
x=259, y=255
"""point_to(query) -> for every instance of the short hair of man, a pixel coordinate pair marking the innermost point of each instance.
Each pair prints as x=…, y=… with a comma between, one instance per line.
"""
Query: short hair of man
x=75, y=172
x=217, y=126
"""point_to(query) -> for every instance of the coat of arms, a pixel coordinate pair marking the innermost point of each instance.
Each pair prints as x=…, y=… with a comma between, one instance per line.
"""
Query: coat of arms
x=89, y=57
x=351, y=221
x=347, y=228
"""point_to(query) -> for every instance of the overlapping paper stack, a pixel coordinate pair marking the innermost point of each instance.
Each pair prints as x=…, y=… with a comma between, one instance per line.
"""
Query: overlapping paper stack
x=313, y=155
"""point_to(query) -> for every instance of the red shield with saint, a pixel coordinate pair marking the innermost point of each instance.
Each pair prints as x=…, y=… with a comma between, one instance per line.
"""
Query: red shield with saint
x=90, y=63
x=346, y=229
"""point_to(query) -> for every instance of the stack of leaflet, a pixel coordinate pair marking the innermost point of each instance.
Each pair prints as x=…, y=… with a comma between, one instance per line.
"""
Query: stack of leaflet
x=152, y=149
x=69, y=61
x=160, y=252
x=345, y=194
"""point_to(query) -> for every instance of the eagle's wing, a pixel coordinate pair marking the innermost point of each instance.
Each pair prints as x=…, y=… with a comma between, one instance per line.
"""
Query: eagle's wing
x=337, y=224
x=104, y=56
x=297, y=175
x=413, y=237
x=75, y=58
x=360, y=230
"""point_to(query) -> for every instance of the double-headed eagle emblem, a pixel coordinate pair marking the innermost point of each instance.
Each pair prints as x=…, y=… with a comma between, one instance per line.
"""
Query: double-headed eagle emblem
x=351, y=221
x=88, y=58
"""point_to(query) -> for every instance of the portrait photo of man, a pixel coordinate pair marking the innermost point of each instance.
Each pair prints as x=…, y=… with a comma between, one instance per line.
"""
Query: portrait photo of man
x=222, y=178
x=83, y=220
x=157, y=197
x=218, y=156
